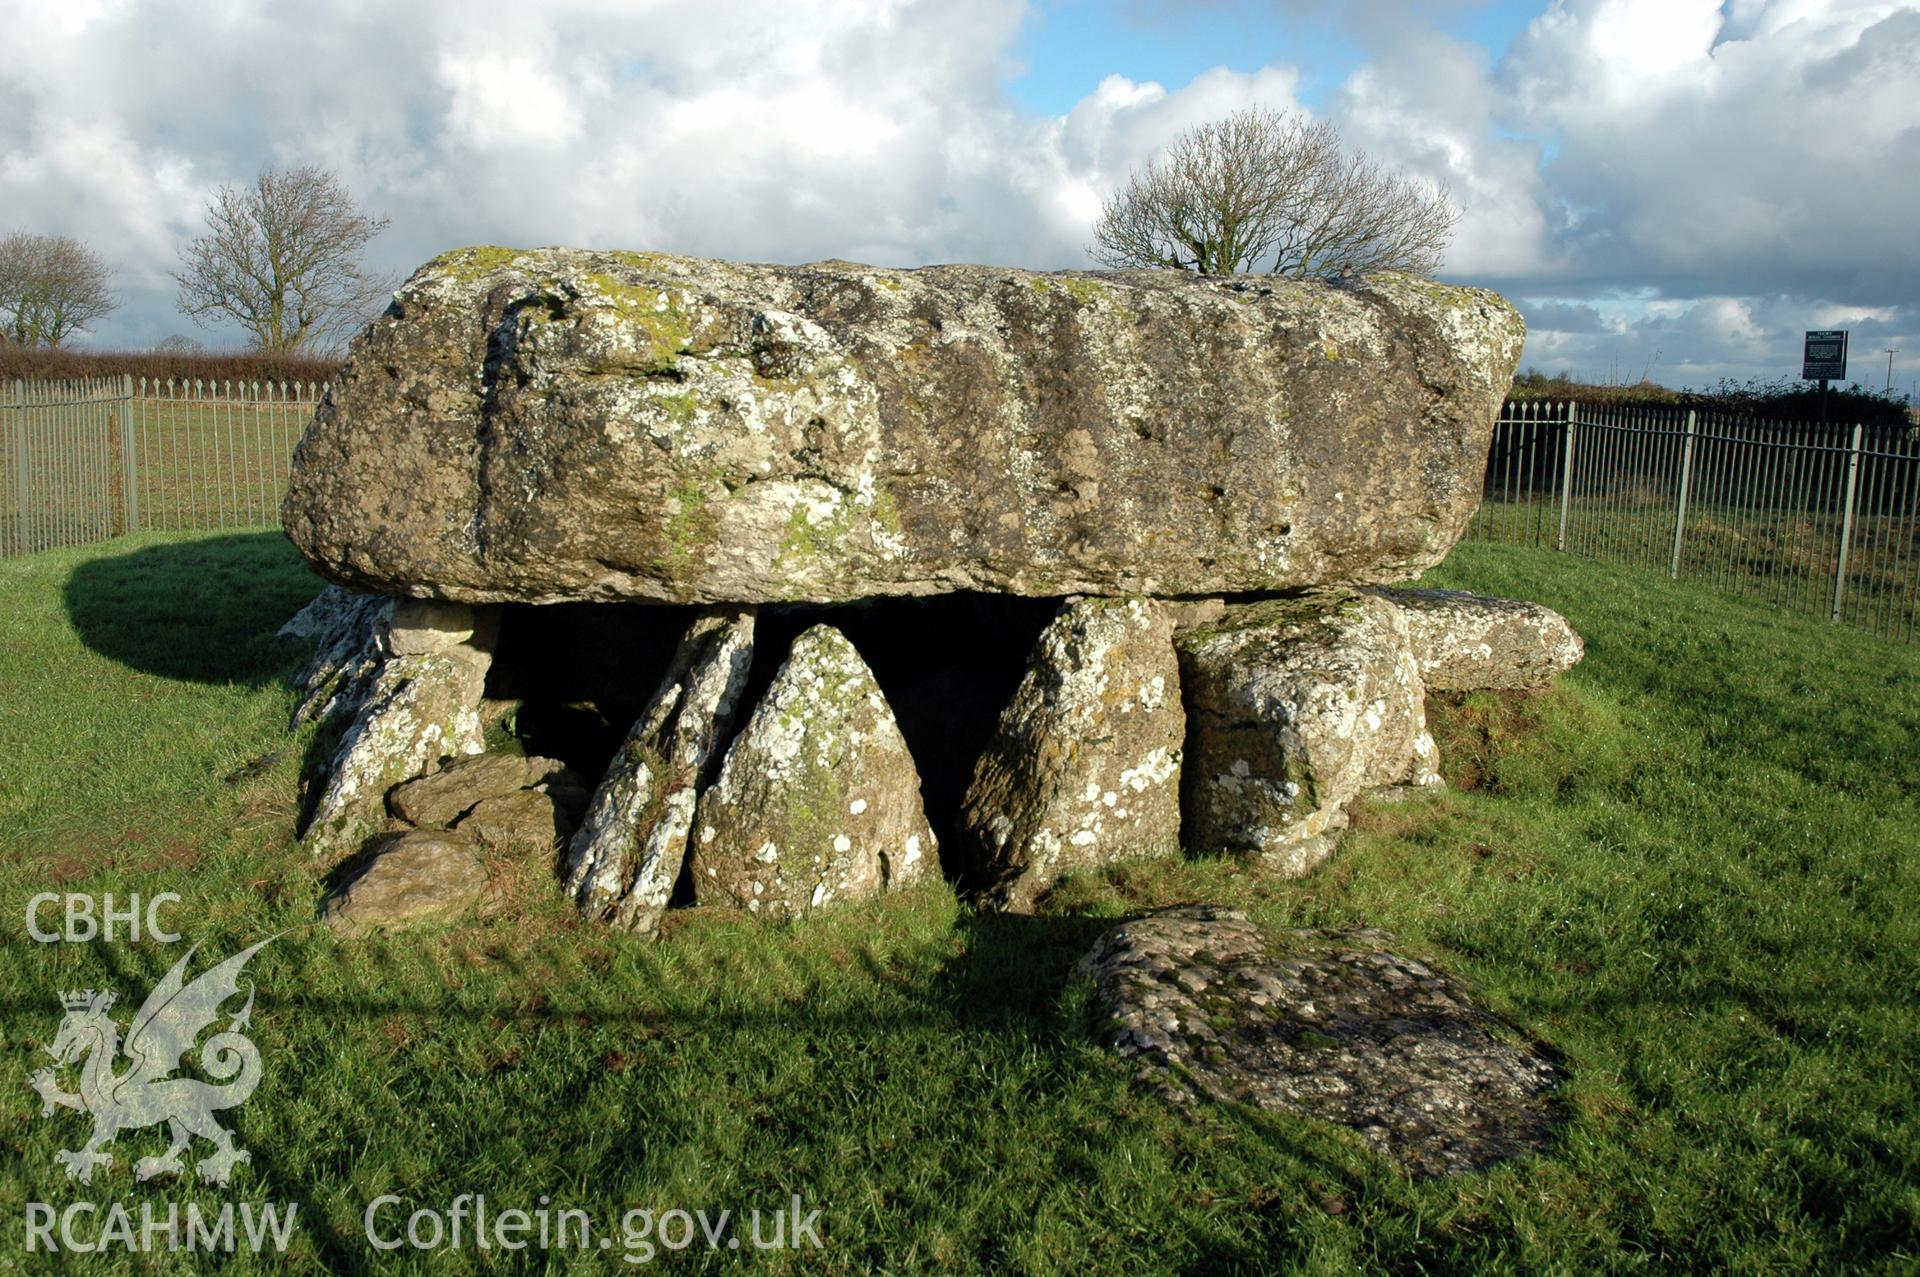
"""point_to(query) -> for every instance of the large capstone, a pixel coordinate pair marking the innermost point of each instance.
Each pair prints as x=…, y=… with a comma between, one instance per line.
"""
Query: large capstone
x=1084, y=770
x=1295, y=707
x=570, y=425
x=818, y=801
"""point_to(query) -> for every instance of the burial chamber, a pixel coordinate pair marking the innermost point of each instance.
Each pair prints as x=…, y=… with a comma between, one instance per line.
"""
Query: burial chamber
x=1165, y=511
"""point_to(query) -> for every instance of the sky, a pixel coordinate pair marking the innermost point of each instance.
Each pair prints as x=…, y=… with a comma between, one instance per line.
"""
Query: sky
x=1671, y=189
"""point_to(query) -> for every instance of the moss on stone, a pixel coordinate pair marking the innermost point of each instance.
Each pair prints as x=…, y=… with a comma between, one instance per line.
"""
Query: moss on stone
x=656, y=312
x=816, y=812
x=641, y=261
x=690, y=529
x=885, y=512
x=798, y=541
x=1454, y=296
x=471, y=263
x=1084, y=291
x=681, y=407
x=807, y=541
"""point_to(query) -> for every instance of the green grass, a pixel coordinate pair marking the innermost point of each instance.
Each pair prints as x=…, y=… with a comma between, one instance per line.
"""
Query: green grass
x=1787, y=557
x=1692, y=870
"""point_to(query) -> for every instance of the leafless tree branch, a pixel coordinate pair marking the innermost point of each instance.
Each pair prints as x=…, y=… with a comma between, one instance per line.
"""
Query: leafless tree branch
x=51, y=286
x=281, y=258
x=1263, y=190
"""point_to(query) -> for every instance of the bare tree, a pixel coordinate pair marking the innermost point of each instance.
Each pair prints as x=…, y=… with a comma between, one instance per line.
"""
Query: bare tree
x=281, y=258
x=51, y=286
x=1260, y=189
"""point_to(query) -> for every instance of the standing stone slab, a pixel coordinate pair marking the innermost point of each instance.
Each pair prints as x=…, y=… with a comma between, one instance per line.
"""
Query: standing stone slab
x=561, y=424
x=818, y=801
x=346, y=628
x=1466, y=642
x=1295, y=706
x=1084, y=769
x=420, y=710
x=625, y=858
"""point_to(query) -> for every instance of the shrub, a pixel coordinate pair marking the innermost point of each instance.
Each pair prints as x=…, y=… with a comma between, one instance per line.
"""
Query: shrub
x=1781, y=399
x=36, y=363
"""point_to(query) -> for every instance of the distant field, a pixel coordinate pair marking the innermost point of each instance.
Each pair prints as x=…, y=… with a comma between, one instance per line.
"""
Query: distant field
x=200, y=459
x=215, y=463
x=1694, y=870
x=1783, y=558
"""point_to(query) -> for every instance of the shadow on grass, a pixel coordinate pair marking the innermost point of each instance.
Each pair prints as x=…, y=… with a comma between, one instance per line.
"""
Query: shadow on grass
x=202, y=611
x=1004, y=982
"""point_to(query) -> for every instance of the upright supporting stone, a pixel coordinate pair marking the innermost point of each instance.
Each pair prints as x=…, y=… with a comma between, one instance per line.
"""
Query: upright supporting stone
x=629, y=850
x=1084, y=770
x=346, y=628
x=818, y=801
x=421, y=708
x=1295, y=706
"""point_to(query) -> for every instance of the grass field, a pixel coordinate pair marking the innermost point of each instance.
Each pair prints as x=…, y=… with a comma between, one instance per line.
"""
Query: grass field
x=1692, y=869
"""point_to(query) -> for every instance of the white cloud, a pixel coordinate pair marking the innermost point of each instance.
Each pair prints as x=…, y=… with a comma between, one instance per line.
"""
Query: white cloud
x=1778, y=156
x=1753, y=163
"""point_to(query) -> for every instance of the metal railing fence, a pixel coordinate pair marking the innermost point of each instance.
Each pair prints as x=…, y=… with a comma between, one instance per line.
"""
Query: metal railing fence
x=1815, y=518
x=1820, y=519
x=84, y=460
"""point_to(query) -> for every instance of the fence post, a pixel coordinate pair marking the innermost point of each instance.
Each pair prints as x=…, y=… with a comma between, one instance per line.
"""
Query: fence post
x=1686, y=482
x=129, y=501
x=22, y=475
x=1566, y=475
x=1846, y=521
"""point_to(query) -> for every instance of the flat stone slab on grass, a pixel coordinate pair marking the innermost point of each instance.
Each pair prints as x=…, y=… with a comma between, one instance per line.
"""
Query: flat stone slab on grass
x=1328, y=1025
x=422, y=875
x=523, y=819
x=1466, y=642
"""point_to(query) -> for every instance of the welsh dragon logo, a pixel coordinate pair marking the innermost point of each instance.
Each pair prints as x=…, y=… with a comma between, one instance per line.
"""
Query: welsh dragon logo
x=165, y=1028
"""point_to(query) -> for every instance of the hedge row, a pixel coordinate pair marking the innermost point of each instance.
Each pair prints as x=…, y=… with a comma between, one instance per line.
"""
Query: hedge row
x=1782, y=399
x=30, y=362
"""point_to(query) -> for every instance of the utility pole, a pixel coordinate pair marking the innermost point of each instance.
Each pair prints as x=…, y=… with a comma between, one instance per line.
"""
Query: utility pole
x=1891, y=352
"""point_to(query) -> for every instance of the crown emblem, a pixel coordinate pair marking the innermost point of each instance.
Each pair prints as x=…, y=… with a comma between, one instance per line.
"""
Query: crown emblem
x=87, y=1000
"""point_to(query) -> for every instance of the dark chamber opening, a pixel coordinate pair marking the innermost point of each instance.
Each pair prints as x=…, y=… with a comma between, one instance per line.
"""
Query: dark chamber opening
x=579, y=674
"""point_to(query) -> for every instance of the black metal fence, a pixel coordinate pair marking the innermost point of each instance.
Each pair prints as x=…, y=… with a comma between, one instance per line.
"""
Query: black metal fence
x=87, y=459
x=1817, y=518
x=1822, y=519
